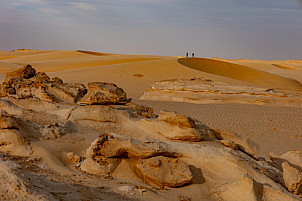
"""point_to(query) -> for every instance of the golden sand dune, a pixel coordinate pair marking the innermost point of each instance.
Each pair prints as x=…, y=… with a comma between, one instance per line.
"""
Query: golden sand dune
x=240, y=72
x=15, y=54
x=54, y=55
x=85, y=62
x=24, y=53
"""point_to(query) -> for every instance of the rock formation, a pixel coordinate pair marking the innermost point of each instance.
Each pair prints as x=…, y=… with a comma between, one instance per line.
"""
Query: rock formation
x=117, y=140
x=102, y=93
x=204, y=91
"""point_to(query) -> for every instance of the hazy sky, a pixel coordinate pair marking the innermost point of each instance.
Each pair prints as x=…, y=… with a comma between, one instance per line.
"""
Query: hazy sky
x=256, y=29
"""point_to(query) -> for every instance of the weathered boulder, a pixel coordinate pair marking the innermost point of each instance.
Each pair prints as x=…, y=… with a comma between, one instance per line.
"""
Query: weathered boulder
x=292, y=179
x=243, y=144
x=102, y=93
x=164, y=171
x=26, y=72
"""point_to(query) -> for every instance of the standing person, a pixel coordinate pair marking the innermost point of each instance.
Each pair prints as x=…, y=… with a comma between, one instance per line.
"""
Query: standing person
x=193, y=54
x=187, y=54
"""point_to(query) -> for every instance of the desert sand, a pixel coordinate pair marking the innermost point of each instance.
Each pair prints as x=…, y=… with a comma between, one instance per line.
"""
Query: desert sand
x=69, y=135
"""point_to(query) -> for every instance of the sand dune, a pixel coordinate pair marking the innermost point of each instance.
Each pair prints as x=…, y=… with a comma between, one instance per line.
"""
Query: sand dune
x=7, y=67
x=55, y=55
x=240, y=72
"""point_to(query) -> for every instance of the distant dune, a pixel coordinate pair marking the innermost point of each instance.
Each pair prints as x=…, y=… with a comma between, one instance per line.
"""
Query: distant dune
x=240, y=72
x=94, y=53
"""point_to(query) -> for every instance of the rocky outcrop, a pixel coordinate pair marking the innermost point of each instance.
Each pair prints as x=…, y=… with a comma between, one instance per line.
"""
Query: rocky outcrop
x=173, y=164
x=102, y=93
x=177, y=127
x=26, y=83
x=204, y=91
x=156, y=165
x=242, y=143
x=26, y=72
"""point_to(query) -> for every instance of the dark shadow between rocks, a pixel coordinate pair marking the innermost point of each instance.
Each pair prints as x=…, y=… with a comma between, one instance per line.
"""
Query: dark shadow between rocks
x=198, y=177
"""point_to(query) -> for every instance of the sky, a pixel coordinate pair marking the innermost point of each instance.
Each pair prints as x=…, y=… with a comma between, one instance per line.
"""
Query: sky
x=232, y=29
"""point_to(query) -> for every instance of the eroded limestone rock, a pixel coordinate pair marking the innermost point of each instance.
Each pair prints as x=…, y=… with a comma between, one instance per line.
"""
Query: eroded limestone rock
x=292, y=179
x=26, y=83
x=176, y=119
x=164, y=171
x=102, y=93
x=11, y=139
x=55, y=130
x=142, y=110
x=246, y=145
x=26, y=72
x=229, y=143
x=243, y=190
x=172, y=131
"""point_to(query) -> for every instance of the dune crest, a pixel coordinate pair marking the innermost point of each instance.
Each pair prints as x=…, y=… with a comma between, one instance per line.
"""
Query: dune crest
x=240, y=72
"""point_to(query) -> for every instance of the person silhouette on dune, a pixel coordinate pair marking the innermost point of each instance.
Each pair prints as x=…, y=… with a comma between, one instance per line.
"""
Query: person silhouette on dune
x=193, y=55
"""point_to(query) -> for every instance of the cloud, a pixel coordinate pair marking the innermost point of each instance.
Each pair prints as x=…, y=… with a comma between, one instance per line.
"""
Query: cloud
x=83, y=6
